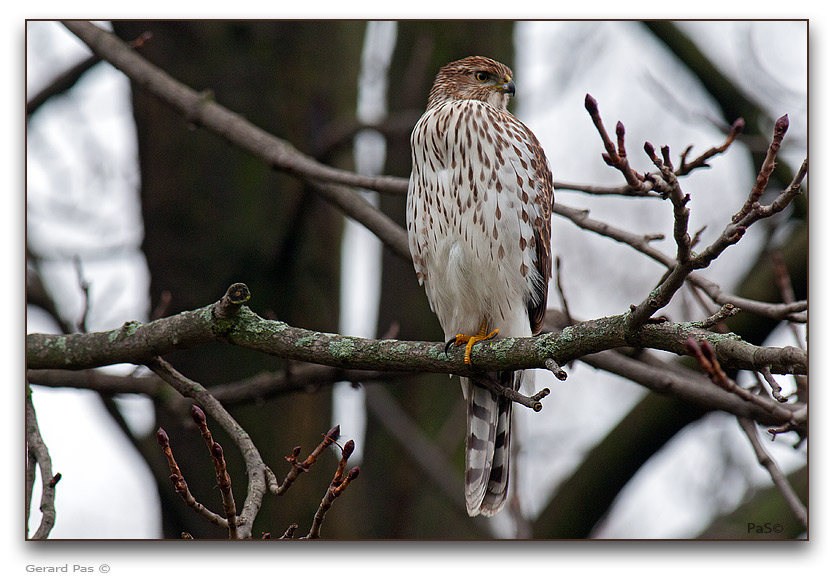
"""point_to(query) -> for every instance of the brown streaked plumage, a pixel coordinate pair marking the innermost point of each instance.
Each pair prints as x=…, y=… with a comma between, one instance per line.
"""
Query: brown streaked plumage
x=478, y=215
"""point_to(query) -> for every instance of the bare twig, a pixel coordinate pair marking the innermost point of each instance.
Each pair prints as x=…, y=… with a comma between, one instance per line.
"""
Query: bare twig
x=337, y=486
x=290, y=532
x=641, y=243
x=736, y=229
x=554, y=368
x=180, y=485
x=508, y=393
x=685, y=263
x=260, y=476
x=705, y=355
x=84, y=285
x=776, y=474
x=780, y=271
x=615, y=155
x=775, y=389
x=297, y=468
x=768, y=166
x=678, y=381
x=798, y=418
x=670, y=187
x=38, y=453
x=623, y=190
x=560, y=290
x=685, y=167
x=666, y=183
x=785, y=287
x=719, y=325
x=231, y=521
x=723, y=314
x=224, y=482
x=260, y=387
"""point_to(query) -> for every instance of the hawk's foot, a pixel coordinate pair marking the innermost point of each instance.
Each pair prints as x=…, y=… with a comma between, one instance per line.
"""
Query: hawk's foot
x=470, y=341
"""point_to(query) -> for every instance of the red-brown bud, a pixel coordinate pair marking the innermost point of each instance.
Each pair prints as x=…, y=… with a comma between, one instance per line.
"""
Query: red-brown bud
x=781, y=126
x=348, y=449
x=198, y=415
x=333, y=434
x=591, y=104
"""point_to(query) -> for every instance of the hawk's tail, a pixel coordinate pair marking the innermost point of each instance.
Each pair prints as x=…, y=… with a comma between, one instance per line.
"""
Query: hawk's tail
x=487, y=467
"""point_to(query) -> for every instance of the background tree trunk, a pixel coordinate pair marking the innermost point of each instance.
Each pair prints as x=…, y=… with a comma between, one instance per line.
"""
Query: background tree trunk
x=407, y=503
x=213, y=215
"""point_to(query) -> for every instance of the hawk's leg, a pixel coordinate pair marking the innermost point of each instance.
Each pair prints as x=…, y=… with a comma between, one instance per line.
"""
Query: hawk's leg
x=470, y=340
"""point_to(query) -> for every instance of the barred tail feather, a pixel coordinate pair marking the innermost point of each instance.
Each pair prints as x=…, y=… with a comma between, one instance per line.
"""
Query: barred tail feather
x=487, y=463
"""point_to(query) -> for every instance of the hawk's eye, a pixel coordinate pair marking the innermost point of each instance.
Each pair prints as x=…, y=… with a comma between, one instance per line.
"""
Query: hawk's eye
x=481, y=76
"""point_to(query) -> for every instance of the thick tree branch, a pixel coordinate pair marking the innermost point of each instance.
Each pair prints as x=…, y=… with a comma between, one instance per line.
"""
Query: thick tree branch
x=67, y=79
x=199, y=109
x=675, y=380
x=669, y=380
x=139, y=343
x=136, y=343
x=260, y=387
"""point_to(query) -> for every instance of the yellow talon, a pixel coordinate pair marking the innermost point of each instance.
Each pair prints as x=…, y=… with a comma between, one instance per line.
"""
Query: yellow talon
x=470, y=341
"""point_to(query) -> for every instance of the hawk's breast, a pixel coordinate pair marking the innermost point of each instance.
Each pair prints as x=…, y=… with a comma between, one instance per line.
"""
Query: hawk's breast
x=474, y=206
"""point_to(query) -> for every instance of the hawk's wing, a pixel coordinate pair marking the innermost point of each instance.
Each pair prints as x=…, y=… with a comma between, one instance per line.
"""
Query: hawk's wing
x=542, y=183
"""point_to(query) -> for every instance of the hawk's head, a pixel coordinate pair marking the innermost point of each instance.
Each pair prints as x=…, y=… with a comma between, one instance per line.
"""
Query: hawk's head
x=474, y=77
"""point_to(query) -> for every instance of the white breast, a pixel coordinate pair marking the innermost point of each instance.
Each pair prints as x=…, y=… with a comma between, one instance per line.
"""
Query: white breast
x=471, y=209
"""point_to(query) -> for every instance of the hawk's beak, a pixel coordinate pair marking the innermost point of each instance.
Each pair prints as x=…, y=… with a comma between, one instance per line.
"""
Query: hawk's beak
x=508, y=87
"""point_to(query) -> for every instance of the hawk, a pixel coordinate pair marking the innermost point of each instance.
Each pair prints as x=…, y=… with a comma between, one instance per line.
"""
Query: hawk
x=478, y=214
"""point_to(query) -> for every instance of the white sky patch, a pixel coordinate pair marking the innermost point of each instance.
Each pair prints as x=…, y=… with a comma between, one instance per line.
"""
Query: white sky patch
x=361, y=276
x=83, y=200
